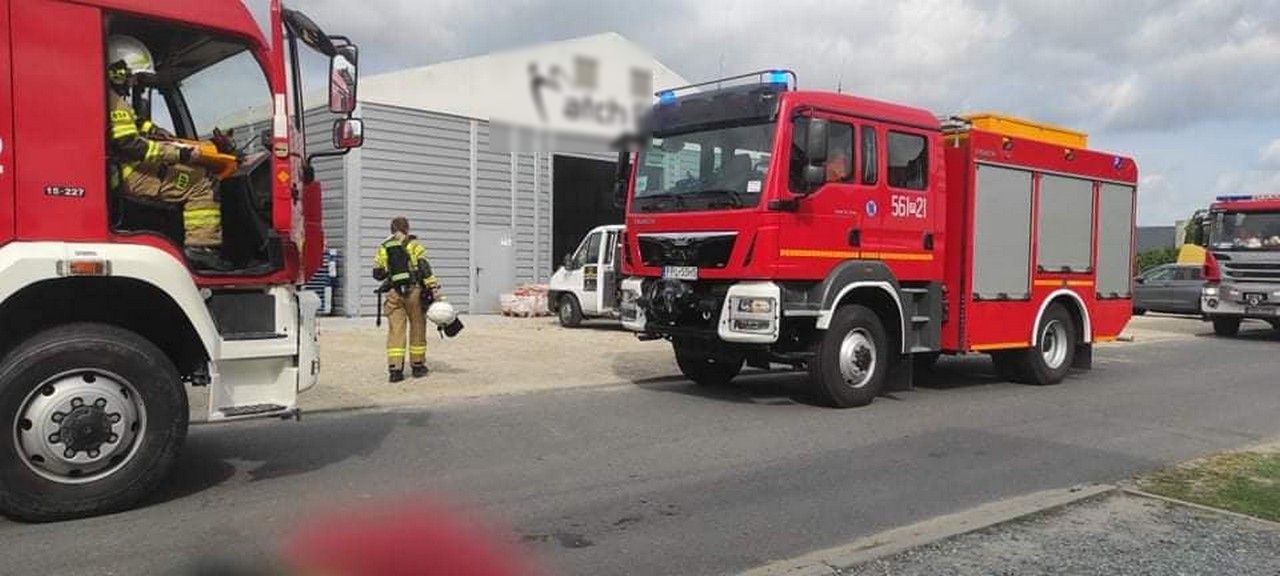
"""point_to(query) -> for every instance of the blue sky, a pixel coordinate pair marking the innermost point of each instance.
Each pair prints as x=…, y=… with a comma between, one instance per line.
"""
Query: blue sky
x=1190, y=88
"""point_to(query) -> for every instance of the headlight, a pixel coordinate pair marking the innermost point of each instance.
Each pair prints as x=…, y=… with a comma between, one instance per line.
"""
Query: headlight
x=1211, y=291
x=755, y=305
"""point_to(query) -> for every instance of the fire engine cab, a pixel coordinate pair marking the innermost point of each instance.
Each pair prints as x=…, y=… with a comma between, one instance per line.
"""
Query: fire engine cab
x=1242, y=262
x=104, y=325
x=859, y=239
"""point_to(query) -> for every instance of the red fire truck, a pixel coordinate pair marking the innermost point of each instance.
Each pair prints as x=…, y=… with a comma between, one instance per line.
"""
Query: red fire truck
x=104, y=324
x=1242, y=262
x=860, y=239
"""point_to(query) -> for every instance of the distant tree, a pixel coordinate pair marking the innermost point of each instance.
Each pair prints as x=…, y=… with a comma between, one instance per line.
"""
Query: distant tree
x=1152, y=258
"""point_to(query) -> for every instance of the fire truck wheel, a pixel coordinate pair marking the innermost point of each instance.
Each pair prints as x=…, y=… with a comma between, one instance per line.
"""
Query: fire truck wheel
x=1226, y=326
x=849, y=366
x=704, y=364
x=1051, y=360
x=93, y=415
x=569, y=311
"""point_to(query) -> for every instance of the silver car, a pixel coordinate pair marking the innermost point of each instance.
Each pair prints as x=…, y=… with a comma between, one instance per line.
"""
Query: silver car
x=1169, y=288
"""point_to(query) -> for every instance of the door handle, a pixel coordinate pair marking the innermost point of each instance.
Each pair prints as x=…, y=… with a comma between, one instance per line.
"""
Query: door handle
x=855, y=237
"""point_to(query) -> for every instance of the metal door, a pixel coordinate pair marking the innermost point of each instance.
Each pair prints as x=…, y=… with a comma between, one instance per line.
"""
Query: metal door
x=610, y=253
x=6, y=131
x=495, y=272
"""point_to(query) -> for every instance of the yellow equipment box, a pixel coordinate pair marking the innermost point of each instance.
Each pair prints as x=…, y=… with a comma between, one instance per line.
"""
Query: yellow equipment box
x=1020, y=128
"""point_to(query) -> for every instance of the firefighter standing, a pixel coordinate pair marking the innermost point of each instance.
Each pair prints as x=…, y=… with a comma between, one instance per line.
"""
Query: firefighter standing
x=401, y=264
x=149, y=165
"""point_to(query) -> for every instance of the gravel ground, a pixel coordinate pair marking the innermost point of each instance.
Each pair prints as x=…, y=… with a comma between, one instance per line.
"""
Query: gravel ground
x=1117, y=534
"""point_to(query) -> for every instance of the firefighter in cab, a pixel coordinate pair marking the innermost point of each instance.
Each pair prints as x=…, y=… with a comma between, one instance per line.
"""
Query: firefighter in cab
x=401, y=265
x=150, y=164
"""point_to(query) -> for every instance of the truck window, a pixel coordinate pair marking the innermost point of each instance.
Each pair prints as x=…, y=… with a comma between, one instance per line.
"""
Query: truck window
x=160, y=115
x=589, y=251
x=870, y=156
x=908, y=161
x=840, y=153
x=231, y=94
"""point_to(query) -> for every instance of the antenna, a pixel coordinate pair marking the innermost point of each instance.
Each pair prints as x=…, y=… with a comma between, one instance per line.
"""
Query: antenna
x=844, y=59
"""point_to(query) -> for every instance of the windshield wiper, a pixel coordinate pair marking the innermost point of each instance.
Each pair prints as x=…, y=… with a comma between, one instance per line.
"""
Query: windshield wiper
x=651, y=199
x=735, y=197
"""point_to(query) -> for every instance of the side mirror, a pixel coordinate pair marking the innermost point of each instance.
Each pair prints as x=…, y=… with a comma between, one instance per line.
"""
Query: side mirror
x=1139, y=280
x=816, y=141
x=342, y=81
x=348, y=133
x=621, y=178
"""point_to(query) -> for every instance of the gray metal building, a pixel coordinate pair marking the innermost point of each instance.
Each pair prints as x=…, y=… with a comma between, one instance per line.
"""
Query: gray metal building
x=485, y=216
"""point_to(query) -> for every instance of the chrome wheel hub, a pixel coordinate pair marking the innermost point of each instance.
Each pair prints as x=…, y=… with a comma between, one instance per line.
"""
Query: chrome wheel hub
x=79, y=426
x=1053, y=344
x=857, y=358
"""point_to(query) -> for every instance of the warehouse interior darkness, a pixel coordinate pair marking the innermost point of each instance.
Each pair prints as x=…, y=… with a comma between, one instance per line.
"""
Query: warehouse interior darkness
x=582, y=199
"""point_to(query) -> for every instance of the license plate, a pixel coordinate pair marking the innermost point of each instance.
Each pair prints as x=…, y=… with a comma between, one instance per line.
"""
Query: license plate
x=1261, y=310
x=680, y=272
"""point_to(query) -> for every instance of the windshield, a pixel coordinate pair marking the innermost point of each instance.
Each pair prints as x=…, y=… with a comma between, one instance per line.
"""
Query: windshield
x=705, y=170
x=1245, y=231
x=230, y=95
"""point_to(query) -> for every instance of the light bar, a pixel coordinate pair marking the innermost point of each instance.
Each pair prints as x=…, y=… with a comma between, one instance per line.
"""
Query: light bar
x=787, y=78
x=1248, y=197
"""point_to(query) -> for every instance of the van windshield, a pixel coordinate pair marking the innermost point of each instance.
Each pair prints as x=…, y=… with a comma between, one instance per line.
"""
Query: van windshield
x=717, y=168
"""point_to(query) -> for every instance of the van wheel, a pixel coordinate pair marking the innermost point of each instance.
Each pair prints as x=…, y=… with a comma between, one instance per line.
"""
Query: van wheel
x=1139, y=311
x=1051, y=360
x=1226, y=326
x=851, y=360
x=705, y=364
x=569, y=311
x=93, y=416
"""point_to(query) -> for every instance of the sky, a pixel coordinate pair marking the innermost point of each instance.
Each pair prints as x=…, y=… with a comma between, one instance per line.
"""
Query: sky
x=1189, y=88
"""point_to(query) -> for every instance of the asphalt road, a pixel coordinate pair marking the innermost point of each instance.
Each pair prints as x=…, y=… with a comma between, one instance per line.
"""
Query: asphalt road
x=661, y=477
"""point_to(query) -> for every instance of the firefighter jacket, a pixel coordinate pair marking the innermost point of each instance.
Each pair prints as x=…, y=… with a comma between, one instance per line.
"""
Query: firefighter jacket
x=134, y=142
x=402, y=261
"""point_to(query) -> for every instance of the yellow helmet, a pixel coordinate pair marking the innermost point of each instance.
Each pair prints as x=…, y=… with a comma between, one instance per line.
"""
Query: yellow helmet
x=128, y=57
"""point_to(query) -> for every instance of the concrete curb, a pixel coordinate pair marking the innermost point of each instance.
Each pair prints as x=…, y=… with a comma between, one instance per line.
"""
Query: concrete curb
x=832, y=560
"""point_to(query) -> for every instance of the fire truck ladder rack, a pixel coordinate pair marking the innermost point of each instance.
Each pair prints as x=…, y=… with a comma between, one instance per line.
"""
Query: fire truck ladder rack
x=774, y=76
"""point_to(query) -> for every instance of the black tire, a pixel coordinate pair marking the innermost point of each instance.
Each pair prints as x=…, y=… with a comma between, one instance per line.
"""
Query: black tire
x=704, y=364
x=1139, y=311
x=61, y=358
x=1226, y=326
x=834, y=386
x=1034, y=365
x=569, y=311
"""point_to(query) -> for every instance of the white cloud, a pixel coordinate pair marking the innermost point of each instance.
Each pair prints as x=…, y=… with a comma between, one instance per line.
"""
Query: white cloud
x=1270, y=155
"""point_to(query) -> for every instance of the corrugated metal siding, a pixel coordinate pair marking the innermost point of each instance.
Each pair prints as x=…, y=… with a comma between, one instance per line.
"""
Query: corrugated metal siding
x=545, y=265
x=524, y=218
x=417, y=164
x=331, y=174
x=493, y=182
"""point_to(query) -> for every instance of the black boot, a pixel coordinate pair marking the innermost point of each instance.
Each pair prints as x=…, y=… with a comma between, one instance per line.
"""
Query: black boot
x=420, y=370
x=396, y=375
x=206, y=258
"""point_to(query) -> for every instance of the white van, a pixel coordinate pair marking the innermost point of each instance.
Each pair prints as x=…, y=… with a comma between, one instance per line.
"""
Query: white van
x=586, y=286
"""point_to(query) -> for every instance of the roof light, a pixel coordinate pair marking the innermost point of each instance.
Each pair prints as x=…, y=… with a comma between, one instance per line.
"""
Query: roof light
x=777, y=77
x=1117, y=163
x=666, y=97
x=1248, y=197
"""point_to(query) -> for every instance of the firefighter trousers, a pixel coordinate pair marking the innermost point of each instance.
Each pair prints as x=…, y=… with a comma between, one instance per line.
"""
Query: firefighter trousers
x=402, y=311
x=192, y=187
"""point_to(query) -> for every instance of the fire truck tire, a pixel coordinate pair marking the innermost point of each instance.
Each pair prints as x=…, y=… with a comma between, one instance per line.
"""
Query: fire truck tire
x=1050, y=362
x=1226, y=326
x=94, y=417
x=851, y=360
x=569, y=311
x=705, y=365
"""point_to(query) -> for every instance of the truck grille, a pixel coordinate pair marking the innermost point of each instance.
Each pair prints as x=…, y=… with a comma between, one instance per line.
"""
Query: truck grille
x=1255, y=270
x=704, y=250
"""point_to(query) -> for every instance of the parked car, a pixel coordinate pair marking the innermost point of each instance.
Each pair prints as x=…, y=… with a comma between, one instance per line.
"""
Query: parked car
x=1169, y=288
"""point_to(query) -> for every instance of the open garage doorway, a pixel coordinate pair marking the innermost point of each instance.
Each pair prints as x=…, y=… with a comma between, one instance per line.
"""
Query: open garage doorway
x=583, y=199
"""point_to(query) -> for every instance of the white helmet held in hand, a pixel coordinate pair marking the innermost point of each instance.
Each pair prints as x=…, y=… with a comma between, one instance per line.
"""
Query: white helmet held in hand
x=441, y=313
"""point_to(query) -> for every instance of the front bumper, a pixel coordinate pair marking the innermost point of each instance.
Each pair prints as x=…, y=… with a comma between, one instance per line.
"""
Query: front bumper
x=1260, y=301
x=741, y=312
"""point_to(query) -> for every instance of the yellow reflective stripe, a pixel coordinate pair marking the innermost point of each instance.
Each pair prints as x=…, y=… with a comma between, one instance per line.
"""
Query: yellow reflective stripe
x=395, y=352
x=126, y=170
x=202, y=217
x=147, y=126
x=121, y=116
x=119, y=131
x=153, y=150
x=417, y=349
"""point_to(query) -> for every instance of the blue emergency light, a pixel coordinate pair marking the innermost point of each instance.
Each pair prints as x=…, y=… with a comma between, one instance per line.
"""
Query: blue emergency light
x=778, y=76
x=666, y=96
